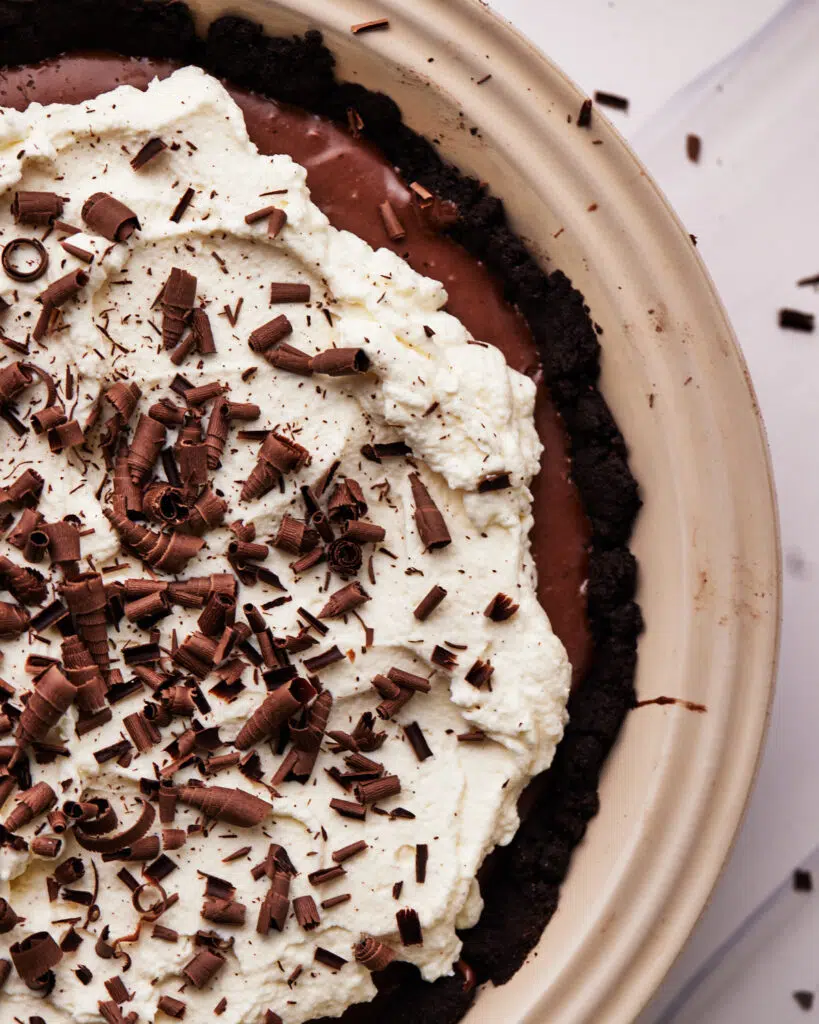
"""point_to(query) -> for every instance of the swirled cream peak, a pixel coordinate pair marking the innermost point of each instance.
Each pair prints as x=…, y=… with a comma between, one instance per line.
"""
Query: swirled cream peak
x=466, y=418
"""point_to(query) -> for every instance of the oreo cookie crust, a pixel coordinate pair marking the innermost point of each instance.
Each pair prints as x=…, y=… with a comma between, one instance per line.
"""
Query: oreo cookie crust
x=527, y=874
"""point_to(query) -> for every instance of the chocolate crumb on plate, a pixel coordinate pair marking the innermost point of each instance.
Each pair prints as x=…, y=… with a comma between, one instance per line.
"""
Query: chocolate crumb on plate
x=804, y=999
x=584, y=117
x=802, y=880
x=693, y=147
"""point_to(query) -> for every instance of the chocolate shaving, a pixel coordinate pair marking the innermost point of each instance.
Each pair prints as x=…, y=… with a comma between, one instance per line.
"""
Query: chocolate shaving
x=203, y=968
x=340, y=362
x=331, y=960
x=273, y=712
x=370, y=26
x=281, y=292
x=172, y=1007
x=409, y=927
x=306, y=912
x=501, y=608
x=431, y=525
x=181, y=207
x=67, y=287
x=378, y=789
x=289, y=358
x=323, y=660
x=480, y=674
x=37, y=208
x=584, y=117
x=346, y=852
x=149, y=152
x=348, y=809
x=408, y=680
x=795, y=320
x=224, y=911
x=345, y=556
x=15, y=246
x=234, y=806
x=417, y=741
x=33, y=959
x=278, y=455
x=270, y=334
x=392, y=224
x=421, y=859
x=429, y=603
x=494, y=482
x=178, y=297
x=109, y=217
x=373, y=953
x=344, y=600
x=118, y=841
x=52, y=696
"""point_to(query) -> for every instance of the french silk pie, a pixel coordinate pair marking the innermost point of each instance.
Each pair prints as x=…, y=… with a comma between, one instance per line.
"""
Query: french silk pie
x=318, y=620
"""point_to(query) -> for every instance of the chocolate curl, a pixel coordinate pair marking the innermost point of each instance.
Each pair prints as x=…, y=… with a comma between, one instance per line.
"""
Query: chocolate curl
x=347, y=501
x=274, y=908
x=306, y=912
x=373, y=953
x=124, y=398
x=192, y=457
x=294, y=536
x=86, y=600
x=246, y=551
x=167, y=412
x=46, y=846
x=431, y=525
x=203, y=332
x=343, y=601
x=25, y=490
x=109, y=217
x=147, y=443
x=273, y=712
x=65, y=435
x=204, y=392
x=196, y=653
x=216, y=434
x=178, y=297
x=127, y=494
x=26, y=585
x=176, y=552
x=37, y=208
x=340, y=362
x=65, y=288
x=33, y=959
x=270, y=334
x=149, y=152
x=14, y=379
x=278, y=455
x=345, y=557
x=307, y=739
x=63, y=542
x=204, y=967
x=222, y=911
x=218, y=613
x=90, y=840
x=208, y=512
x=179, y=701
x=8, y=919
x=30, y=804
x=29, y=521
x=48, y=418
x=13, y=620
x=363, y=532
x=234, y=806
x=164, y=504
x=53, y=695
x=289, y=358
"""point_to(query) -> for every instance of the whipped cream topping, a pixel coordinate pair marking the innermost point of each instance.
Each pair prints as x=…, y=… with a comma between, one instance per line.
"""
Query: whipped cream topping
x=466, y=417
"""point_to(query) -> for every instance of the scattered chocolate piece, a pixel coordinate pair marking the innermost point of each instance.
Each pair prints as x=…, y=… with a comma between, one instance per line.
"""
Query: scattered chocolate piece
x=347, y=809
x=346, y=852
x=409, y=680
x=109, y=217
x=804, y=999
x=392, y=224
x=802, y=881
x=795, y=320
x=204, y=967
x=443, y=657
x=610, y=99
x=273, y=712
x=409, y=927
x=345, y=556
x=501, y=608
x=182, y=206
x=803, y=281
x=149, y=152
x=335, y=901
x=306, y=912
x=373, y=953
x=234, y=806
x=340, y=362
x=75, y=250
x=344, y=600
x=283, y=291
x=378, y=789
x=386, y=450
x=270, y=334
x=396, y=890
x=421, y=859
x=693, y=147
x=417, y=741
x=431, y=526
x=429, y=603
x=172, y=1007
x=332, y=960
x=37, y=208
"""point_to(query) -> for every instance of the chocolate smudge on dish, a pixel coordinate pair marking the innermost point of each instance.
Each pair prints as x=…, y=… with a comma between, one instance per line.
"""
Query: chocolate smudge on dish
x=527, y=874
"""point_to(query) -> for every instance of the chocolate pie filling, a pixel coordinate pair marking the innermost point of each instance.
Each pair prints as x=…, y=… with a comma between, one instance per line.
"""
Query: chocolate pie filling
x=348, y=179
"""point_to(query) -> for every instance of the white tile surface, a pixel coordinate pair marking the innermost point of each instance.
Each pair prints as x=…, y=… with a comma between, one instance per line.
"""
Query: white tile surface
x=744, y=75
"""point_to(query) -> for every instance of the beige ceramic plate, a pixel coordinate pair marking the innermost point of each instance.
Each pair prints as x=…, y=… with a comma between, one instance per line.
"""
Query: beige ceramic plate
x=675, y=787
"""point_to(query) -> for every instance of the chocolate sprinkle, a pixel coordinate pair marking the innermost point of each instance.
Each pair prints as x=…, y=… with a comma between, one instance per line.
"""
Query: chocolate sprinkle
x=151, y=150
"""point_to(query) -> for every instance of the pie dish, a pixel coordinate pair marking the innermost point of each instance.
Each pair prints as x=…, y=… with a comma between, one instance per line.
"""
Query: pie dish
x=521, y=895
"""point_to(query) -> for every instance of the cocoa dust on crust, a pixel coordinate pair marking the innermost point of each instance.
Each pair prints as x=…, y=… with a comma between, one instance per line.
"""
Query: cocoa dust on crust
x=527, y=874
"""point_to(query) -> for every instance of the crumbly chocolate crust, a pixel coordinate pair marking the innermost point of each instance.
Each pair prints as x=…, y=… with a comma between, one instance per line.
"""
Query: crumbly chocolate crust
x=527, y=874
